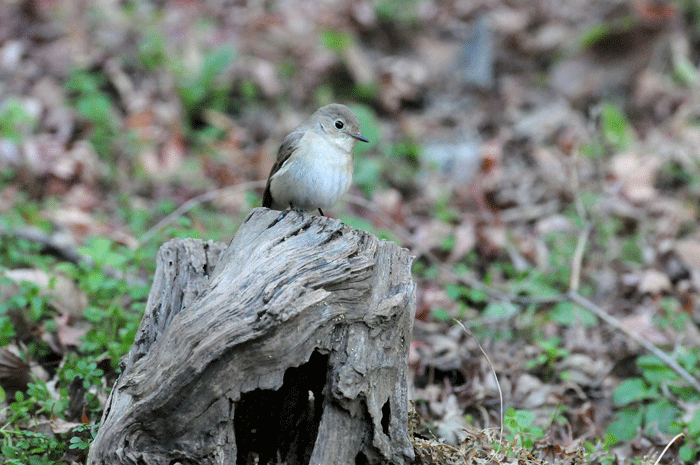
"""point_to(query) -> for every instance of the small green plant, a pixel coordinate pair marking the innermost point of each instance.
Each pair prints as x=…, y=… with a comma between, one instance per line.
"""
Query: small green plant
x=689, y=451
x=30, y=448
x=644, y=406
x=551, y=352
x=615, y=127
x=207, y=88
x=521, y=430
x=44, y=401
x=27, y=304
x=440, y=314
x=603, y=30
x=465, y=294
x=115, y=306
x=95, y=106
x=616, y=133
x=672, y=315
x=75, y=367
x=401, y=162
x=151, y=50
x=499, y=310
x=445, y=211
x=15, y=122
x=562, y=246
x=335, y=41
x=403, y=12
x=84, y=435
x=684, y=71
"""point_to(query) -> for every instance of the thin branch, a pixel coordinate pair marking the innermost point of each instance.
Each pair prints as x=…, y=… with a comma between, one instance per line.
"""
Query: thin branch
x=675, y=438
x=575, y=185
x=578, y=258
x=495, y=376
x=615, y=323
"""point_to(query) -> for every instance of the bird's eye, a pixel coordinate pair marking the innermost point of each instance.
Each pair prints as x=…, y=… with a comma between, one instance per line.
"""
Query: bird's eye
x=339, y=124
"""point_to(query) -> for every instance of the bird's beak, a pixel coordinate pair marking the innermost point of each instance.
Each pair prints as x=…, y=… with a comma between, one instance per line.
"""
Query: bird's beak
x=360, y=137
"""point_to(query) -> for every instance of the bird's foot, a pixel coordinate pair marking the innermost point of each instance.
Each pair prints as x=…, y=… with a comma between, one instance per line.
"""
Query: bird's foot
x=297, y=210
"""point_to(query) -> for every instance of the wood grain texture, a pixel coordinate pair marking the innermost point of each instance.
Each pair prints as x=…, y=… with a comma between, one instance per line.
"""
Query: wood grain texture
x=295, y=349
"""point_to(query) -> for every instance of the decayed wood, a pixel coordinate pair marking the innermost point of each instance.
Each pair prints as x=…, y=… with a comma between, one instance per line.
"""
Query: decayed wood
x=294, y=351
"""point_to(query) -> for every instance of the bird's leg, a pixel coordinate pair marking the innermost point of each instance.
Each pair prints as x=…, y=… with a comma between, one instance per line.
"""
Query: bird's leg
x=321, y=212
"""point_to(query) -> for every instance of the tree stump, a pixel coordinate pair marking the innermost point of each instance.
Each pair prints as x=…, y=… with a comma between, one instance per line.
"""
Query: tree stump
x=294, y=351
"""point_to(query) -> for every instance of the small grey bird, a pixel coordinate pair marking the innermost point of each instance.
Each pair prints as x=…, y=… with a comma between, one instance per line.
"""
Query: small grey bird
x=315, y=161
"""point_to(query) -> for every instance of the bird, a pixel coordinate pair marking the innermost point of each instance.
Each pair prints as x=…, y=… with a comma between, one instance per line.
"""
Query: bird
x=314, y=163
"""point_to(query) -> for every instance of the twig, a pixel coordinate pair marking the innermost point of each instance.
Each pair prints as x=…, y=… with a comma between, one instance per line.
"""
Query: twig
x=614, y=322
x=495, y=376
x=575, y=185
x=676, y=438
x=578, y=258
x=193, y=202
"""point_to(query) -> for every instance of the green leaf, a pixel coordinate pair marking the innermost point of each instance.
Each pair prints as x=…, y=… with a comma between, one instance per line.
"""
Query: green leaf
x=94, y=314
x=7, y=331
x=615, y=127
x=517, y=420
x=440, y=314
x=664, y=416
x=694, y=425
x=568, y=314
x=633, y=390
x=609, y=440
x=500, y=310
x=594, y=34
x=655, y=371
x=687, y=454
x=36, y=307
x=684, y=69
x=97, y=249
x=335, y=41
x=455, y=291
x=627, y=423
x=215, y=63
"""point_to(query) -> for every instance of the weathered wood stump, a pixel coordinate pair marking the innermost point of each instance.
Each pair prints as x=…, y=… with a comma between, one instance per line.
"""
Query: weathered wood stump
x=294, y=351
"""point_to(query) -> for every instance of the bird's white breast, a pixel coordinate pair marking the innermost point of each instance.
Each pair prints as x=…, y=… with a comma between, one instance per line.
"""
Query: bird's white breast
x=316, y=175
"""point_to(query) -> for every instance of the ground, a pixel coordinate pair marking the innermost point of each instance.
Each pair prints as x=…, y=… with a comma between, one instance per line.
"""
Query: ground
x=541, y=160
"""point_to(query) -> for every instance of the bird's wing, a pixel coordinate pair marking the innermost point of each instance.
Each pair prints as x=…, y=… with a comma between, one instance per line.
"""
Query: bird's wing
x=288, y=146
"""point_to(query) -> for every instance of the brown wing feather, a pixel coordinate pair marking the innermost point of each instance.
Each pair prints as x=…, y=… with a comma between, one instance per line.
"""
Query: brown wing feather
x=288, y=146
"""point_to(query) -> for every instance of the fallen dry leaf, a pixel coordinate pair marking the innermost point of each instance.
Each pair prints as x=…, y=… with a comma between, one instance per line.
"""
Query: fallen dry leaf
x=642, y=323
x=65, y=295
x=69, y=335
x=465, y=241
x=60, y=426
x=653, y=282
x=689, y=251
x=636, y=174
